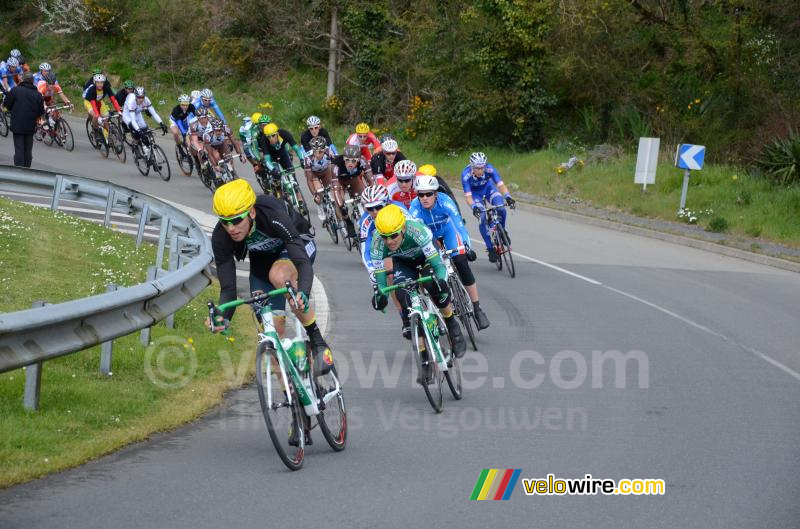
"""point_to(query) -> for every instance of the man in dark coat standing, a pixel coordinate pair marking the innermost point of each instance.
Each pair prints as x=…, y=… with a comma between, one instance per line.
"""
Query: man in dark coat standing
x=26, y=106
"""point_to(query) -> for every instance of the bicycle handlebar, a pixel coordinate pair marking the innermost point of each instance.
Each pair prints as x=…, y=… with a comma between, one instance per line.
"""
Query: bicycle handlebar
x=255, y=299
x=407, y=283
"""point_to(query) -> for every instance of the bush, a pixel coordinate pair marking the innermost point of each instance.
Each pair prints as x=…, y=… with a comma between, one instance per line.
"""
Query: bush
x=779, y=159
x=717, y=225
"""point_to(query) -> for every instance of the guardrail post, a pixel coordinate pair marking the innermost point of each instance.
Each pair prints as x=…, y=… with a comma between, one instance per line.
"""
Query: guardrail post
x=33, y=378
x=143, y=220
x=162, y=241
x=112, y=197
x=144, y=336
x=107, y=348
x=172, y=265
x=57, y=192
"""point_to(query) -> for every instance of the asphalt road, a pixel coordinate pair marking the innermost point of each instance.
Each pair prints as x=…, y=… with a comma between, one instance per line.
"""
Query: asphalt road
x=707, y=401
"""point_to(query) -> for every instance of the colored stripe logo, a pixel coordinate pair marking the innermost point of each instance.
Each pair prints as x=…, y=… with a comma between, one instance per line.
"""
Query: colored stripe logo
x=495, y=484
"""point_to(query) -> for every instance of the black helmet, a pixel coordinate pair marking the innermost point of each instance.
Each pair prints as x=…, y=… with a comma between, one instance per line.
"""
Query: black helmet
x=351, y=151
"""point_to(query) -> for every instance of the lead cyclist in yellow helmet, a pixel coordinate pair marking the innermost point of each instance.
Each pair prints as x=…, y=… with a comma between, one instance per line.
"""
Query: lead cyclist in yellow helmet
x=409, y=243
x=281, y=249
x=364, y=138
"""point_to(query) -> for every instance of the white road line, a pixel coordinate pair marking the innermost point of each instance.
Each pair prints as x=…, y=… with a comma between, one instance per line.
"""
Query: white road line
x=554, y=267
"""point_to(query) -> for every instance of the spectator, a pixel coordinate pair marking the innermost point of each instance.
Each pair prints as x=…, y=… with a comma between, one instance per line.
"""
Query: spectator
x=26, y=106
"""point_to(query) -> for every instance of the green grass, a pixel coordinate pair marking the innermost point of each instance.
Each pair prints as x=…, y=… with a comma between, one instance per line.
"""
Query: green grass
x=84, y=414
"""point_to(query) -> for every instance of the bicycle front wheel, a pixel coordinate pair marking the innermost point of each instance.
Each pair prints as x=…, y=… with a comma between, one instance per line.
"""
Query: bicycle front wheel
x=3, y=123
x=507, y=256
x=453, y=373
x=330, y=222
x=281, y=408
x=64, y=134
x=496, y=243
x=184, y=160
x=90, y=132
x=430, y=377
x=332, y=417
x=160, y=163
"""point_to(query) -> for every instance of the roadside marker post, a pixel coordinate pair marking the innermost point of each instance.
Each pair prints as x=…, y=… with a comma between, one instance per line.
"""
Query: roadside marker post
x=690, y=158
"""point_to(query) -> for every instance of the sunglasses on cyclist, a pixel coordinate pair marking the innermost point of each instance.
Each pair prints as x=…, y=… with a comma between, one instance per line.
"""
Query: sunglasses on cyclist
x=362, y=136
x=313, y=128
x=391, y=236
x=425, y=194
x=351, y=160
x=375, y=208
x=404, y=180
x=273, y=135
x=233, y=221
x=389, y=153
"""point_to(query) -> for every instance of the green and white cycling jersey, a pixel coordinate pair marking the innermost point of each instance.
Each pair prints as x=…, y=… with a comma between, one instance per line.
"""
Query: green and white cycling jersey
x=248, y=133
x=417, y=248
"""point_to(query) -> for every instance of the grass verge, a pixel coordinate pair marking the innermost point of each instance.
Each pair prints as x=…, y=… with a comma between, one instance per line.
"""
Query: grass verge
x=83, y=414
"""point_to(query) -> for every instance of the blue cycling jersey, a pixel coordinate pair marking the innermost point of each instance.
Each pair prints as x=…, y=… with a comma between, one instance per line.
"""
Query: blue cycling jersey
x=214, y=107
x=366, y=229
x=480, y=186
x=443, y=220
x=9, y=75
x=37, y=77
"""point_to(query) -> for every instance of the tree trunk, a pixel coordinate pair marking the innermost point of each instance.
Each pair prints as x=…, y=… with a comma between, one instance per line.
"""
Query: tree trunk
x=332, y=55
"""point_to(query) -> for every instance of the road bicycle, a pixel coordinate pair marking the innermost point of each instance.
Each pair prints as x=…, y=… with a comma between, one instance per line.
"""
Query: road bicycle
x=290, y=191
x=116, y=137
x=335, y=227
x=5, y=118
x=55, y=129
x=289, y=393
x=500, y=240
x=462, y=304
x=435, y=360
x=185, y=159
x=354, y=212
x=147, y=154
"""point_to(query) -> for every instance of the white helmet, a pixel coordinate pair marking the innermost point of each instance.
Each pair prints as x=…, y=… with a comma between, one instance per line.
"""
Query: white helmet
x=477, y=159
x=195, y=94
x=45, y=66
x=426, y=183
x=405, y=170
x=389, y=145
x=12, y=62
x=375, y=195
x=99, y=78
x=206, y=93
x=184, y=99
x=312, y=121
x=15, y=53
x=139, y=91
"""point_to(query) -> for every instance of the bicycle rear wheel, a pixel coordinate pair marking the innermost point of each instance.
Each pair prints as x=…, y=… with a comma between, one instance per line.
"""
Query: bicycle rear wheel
x=185, y=162
x=160, y=163
x=3, y=123
x=139, y=159
x=332, y=417
x=507, y=256
x=463, y=307
x=102, y=143
x=116, y=142
x=274, y=392
x=432, y=384
x=64, y=134
x=496, y=243
x=45, y=136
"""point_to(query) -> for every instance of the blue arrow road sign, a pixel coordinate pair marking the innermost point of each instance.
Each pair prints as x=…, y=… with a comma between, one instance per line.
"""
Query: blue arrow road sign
x=690, y=156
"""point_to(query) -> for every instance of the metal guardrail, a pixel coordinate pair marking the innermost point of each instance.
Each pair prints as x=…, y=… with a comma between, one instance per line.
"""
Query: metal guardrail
x=30, y=337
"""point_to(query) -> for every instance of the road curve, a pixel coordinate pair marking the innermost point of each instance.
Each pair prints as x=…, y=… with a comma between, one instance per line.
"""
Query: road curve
x=707, y=401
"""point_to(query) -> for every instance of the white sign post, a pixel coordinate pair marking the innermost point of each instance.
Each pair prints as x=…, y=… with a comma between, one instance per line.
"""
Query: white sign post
x=646, y=162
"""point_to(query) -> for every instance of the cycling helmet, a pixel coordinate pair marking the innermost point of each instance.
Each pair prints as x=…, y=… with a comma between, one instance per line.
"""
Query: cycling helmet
x=318, y=143
x=255, y=117
x=99, y=78
x=15, y=53
x=234, y=198
x=390, y=219
x=205, y=93
x=405, y=170
x=13, y=62
x=389, y=146
x=246, y=120
x=184, y=99
x=201, y=112
x=313, y=121
x=477, y=159
x=385, y=137
x=129, y=85
x=427, y=169
x=217, y=124
x=96, y=71
x=264, y=119
x=270, y=129
x=139, y=91
x=351, y=151
x=45, y=67
x=426, y=183
x=195, y=94
x=362, y=128
x=375, y=195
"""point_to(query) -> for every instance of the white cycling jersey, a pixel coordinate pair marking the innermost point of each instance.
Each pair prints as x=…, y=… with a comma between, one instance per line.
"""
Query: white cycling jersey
x=132, y=112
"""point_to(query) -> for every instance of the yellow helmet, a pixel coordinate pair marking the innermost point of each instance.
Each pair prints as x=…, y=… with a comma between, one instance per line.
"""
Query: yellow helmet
x=362, y=128
x=390, y=219
x=270, y=129
x=255, y=116
x=233, y=198
x=427, y=169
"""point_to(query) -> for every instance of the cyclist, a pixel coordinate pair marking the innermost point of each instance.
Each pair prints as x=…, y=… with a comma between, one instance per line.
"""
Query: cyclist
x=430, y=170
x=383, y=162
x=351, y=170
x=277, y=240
x=482, y=182
x=207, y=101
x=246, y=133
x=364, y=139
x=93, y=98
x=319, y=174
x=198, y=127
x=218, y=142
x=44, y=69
x=48, y=87
x=315, y=129
x=135, y=105
x=11, y=74
x=180, y=117
x=272, y=142
x=90, y=81
x=409, y=243
x=439, y=213
x=401, y=185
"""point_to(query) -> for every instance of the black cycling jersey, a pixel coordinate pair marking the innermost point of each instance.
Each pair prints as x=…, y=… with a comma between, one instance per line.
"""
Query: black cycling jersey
x=178, y=113
x=305, y=138
x=278, y=227
x=91, y=92
x=121, y=96
x=340, y=168
x=379, y=165
x=284, y=137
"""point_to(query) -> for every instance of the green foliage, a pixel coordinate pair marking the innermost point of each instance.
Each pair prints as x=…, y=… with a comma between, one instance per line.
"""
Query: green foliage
x=717, y=225
x=779, y=160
